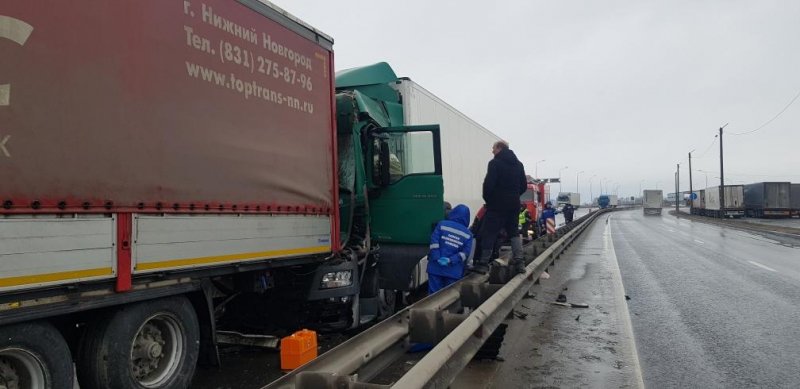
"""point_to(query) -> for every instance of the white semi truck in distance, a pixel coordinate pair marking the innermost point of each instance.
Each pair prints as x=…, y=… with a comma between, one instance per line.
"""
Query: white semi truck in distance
x=652, y=200
x=569, y=198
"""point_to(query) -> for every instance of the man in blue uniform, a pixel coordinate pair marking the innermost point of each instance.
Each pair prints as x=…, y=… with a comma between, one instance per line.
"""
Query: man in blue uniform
x=547, y=213
x=451, y=243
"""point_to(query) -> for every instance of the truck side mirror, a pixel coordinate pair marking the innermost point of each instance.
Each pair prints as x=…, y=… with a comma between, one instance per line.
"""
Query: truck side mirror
x=383, y=164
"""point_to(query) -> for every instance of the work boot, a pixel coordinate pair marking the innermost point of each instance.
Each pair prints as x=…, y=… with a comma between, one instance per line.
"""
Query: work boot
x=482, y=264
x=480, y=268
x=518, y=266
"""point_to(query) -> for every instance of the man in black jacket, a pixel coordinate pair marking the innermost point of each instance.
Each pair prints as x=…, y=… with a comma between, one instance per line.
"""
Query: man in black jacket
x=505, y=182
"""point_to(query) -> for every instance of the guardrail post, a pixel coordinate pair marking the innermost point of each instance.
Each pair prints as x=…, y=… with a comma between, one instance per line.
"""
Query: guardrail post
x=323, y=380
x=474, y=294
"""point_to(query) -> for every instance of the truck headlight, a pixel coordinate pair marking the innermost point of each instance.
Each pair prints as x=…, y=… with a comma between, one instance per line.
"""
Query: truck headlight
x=336, y=279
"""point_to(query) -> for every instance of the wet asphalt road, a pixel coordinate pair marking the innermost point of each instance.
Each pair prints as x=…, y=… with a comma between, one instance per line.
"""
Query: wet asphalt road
x=710, y=306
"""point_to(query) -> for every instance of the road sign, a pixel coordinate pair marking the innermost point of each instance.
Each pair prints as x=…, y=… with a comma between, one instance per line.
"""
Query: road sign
x=693, y=196
x=551, y=226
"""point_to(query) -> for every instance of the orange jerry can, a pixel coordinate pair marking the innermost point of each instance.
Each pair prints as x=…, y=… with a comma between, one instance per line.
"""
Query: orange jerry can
x=298, y=348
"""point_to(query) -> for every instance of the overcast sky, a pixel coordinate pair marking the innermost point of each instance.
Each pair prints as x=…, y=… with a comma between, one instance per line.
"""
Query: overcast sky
x=621, y=90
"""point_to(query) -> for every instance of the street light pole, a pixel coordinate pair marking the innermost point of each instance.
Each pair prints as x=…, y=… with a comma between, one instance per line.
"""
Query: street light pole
x=705, y=173
x=559, y=177
x=641, y=196
x=677, y=187
x=721, y=175
x=691, y=192
x=536, y=168
x=577, y=182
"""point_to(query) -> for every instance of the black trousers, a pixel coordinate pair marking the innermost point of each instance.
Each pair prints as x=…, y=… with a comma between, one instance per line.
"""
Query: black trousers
x=491, y=225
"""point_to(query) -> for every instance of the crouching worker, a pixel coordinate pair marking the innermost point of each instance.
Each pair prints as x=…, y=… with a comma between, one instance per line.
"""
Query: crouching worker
x=451, y=243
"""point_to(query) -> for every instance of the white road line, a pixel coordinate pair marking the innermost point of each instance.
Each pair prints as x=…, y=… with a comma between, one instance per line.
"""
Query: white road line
x=762, y=266
x=699, y=241
x=624, y=318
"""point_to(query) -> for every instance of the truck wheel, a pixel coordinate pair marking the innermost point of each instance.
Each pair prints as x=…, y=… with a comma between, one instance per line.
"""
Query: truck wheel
x=34, y=355
x=387, y=303
x=151, y=344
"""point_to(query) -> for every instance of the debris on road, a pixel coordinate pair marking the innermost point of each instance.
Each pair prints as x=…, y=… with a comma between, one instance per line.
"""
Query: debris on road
x=571, y=305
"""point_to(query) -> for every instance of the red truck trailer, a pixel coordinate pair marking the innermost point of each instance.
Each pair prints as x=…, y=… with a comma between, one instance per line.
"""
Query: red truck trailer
x=151, y=152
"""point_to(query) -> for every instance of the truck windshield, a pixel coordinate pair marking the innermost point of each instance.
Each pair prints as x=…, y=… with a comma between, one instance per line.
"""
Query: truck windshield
x=528, y=196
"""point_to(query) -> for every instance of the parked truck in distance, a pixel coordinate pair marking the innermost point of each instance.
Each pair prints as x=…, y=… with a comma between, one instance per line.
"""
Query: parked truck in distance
x=652, y=200
x=569, y=198
x=699, y=204
x=795, y=199
x=768, y=199
x=734, y=201
x=607, y=201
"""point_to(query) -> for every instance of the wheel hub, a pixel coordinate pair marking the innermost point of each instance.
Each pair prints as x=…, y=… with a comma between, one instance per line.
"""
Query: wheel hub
x=148, y=351
x=157, y=351
x=9, y=379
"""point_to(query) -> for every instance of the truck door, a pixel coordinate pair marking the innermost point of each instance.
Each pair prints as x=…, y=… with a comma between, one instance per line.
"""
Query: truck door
x=408, y=199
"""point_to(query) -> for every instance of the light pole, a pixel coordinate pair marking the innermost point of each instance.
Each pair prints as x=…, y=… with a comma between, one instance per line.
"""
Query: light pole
x=706, y=174
x=640, y=190
x=591, y=193
x=691, y=193
x=677, y=187
x=721, y=173
x=536, y=168
x=559, y=177
x=577, y=182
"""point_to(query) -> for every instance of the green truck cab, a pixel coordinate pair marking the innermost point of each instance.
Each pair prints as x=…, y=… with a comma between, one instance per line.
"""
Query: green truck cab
x=390, y=188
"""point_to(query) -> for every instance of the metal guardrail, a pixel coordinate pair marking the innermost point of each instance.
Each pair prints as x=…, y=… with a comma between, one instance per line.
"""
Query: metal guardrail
x=457, y=319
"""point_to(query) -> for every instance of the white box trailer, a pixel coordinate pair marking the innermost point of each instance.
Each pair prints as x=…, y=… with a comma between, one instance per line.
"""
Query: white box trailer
x=613, y=201
x=699, y=204
x=569, y=198
x=652, y=199
x=734, y=201
x=466, y=145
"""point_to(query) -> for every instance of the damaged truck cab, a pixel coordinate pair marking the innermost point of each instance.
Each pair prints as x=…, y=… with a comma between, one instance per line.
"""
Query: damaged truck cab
x=390, y=187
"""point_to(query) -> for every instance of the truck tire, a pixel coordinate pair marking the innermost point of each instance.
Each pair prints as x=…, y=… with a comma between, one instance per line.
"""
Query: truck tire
x=387, y=303
x=386, y=298
x=34, y=355
x=151, y=344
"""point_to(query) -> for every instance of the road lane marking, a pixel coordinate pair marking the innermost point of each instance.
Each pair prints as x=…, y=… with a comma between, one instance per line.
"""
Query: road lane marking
x=762, y=266
x=619, y=291
x=699, y=241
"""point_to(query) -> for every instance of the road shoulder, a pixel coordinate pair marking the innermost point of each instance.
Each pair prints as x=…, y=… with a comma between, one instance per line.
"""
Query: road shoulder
x=557, y=346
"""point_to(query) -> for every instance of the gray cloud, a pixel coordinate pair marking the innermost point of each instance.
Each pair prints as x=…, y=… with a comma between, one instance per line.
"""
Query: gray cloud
x=619, y=89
